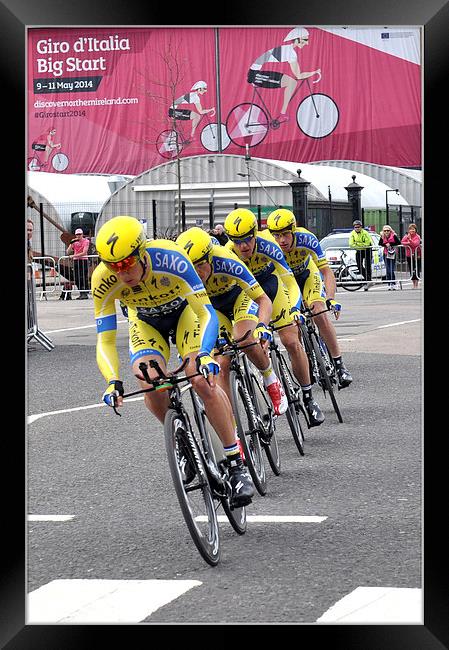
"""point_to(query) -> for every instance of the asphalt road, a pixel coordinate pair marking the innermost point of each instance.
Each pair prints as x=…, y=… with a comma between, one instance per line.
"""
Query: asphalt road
x=111, y=476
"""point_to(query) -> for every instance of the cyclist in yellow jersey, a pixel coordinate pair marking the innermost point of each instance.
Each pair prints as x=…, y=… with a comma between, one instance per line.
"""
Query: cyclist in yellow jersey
x=266, y=261
x=165, y=299
x=306, y=259
x=238, y=298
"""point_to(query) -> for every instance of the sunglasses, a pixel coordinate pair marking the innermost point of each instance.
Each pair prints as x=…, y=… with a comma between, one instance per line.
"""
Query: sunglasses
x=242, y=240
x=281, y=233
x=124, y=265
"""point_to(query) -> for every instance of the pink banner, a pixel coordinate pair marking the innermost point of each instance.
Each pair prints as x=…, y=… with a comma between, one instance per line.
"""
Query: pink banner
x=120, y=101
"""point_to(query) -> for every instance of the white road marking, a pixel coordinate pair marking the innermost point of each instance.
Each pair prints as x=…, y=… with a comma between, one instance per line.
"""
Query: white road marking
x=101, y=601
x=50, y=517
x=79, y=327
x=403, y=322
x=377, y=605
x=271, y=519
x=33, y=418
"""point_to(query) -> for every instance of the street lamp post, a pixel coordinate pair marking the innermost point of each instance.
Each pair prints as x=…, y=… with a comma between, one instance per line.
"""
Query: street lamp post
x=386, y=200
x=249, y=184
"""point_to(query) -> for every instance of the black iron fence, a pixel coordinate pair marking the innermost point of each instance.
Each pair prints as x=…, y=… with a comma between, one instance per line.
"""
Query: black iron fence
x=163, y=219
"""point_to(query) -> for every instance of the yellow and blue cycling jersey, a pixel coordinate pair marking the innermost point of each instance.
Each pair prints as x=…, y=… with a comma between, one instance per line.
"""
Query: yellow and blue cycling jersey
x=230, y=275
x=306, y=247
x=171, y=298
x=232, y=289
x=267, y=259
x=268, y=265
x=306, y=259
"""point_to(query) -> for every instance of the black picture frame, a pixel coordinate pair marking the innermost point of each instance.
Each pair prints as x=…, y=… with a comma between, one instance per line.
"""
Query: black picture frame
x=15, y=16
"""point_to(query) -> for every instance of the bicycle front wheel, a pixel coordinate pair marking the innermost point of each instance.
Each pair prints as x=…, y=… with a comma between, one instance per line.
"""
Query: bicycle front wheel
x=192, y=486
x=317, y=115
x=209, y=137
x=327, y=371
x=349, y=279
x=247, y=124
x=295, y=412
x=60, y=162
x=247, y=431
x=269, y=440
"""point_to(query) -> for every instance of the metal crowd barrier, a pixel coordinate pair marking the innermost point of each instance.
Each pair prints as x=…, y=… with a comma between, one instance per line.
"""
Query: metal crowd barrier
x=45, y=275
x=344, y=256
x=33, y=329
x=67, y=276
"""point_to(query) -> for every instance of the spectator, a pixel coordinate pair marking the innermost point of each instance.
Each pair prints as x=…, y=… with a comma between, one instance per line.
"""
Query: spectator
x=219, y=234
x=412, y=242
x=30, y=228
x=389, y=240
x=360, y=240
x=78, y=250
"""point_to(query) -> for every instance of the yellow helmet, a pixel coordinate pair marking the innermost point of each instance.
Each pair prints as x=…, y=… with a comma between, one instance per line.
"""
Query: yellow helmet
x=196, y=243
x=240, y=223
x=281, y=219
x=120, y=238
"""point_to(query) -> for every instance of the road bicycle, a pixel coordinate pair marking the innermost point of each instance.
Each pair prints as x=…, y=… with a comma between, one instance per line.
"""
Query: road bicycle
x=171, y=141
x=296, y=414
x=317, y=116
x=347, y=274
x=196, y=460
x=58, y=160
x=321, y=364
x=253, y=412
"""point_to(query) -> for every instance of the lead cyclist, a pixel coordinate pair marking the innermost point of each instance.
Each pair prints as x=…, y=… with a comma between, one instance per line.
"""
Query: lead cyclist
x=162, y=292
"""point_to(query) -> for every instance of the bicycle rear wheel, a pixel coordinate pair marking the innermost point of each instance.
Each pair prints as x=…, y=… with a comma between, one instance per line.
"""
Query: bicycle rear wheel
x=214, y=453
x=269, y=439
x=33, y=164
x=247, y=431
x=236, y=516
x=247, y=124
x=192, y=486
x=295, y=412
x=166, y=144
x=327, y=371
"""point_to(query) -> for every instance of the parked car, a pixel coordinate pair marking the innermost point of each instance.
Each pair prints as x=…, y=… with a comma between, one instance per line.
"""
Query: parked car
x=339, y=239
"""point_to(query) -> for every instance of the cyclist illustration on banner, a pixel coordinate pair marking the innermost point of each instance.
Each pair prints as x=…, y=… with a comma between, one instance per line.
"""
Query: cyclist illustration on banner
x=46, y=144
x=317, y=114
x=178, y=112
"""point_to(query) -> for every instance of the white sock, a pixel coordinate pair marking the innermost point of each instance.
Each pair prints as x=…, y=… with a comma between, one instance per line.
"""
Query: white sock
x=268, y=375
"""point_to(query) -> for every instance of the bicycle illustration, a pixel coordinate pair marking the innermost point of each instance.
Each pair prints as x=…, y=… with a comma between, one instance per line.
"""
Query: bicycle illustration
x=59, y=161
x=171, y=141
x=248, y=123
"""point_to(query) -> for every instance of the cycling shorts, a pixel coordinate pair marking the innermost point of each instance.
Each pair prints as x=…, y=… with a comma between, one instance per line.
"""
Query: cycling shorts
x=265, y=79
x=152, y=337
x=278, y=294
x=311, y=285
x=179, y=113
x=235, y=310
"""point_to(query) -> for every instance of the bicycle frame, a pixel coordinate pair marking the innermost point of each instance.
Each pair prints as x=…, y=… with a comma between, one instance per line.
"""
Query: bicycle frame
x=272, y=121
x=322, y=366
